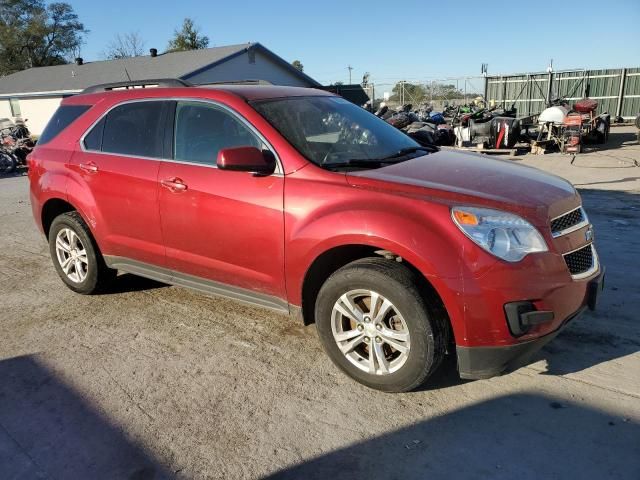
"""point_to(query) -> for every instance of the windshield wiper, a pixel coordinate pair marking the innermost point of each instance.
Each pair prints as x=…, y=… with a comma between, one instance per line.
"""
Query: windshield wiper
x=377, y=162
x=358, y=162
x=406, y=151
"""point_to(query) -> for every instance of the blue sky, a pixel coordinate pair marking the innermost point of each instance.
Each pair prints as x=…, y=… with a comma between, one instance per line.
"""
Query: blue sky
x=412, y=40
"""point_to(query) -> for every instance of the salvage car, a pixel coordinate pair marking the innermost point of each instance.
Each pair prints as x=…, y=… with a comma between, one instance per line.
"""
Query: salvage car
x=296, y=200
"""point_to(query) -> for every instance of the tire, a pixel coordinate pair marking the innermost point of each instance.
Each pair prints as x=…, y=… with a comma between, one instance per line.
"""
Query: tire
x=399, y=371
x=69, y=235
x=7, y=163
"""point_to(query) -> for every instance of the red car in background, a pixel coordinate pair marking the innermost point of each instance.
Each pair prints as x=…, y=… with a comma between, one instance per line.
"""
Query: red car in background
x=299, y=201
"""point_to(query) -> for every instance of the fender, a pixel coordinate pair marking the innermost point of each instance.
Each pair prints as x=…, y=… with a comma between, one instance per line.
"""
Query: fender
x=47, y=178
x=423, y=235
x=50, y=185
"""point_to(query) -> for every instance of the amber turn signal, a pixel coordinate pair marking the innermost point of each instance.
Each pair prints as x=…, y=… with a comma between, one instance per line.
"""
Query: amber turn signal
x=465, y=218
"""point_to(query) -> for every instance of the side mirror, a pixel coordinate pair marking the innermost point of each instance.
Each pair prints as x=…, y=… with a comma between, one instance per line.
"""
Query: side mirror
x=246, y=159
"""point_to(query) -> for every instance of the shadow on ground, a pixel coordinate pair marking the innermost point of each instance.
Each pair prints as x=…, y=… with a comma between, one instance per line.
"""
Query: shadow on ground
x=18, y=172
x=128, y=282
x=47, y=430
x=517, y=436
x=617, y=139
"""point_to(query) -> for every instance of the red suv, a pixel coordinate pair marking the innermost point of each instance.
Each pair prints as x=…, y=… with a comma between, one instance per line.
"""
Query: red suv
x=296, y=200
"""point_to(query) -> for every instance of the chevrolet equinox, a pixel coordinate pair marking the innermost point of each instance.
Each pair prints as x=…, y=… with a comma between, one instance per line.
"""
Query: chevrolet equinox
x=296, y=200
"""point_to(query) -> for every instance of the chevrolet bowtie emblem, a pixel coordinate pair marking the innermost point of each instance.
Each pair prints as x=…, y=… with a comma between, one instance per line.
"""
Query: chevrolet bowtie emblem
x=588, y=234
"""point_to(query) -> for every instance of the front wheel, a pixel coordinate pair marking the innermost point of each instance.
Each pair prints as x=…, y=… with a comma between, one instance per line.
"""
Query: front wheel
x=376, y=327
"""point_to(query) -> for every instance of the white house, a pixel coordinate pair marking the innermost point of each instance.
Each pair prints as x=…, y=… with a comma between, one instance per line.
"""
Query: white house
x=34, y=94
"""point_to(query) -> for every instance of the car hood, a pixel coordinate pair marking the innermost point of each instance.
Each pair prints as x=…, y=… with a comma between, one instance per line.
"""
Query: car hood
x=456, y=176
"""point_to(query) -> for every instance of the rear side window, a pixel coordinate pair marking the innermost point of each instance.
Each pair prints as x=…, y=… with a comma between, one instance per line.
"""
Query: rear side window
x=134, y=129
x=65, y=115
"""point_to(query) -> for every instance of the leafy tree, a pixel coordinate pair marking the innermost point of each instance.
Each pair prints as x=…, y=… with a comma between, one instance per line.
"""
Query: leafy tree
x=416, y=93
x=125, y=46
x=33, y=34
x=297, y=64
x=188, y=38
x=413, y=92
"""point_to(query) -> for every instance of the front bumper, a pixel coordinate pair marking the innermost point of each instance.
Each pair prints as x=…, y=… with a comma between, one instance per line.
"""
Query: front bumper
x=490, y=361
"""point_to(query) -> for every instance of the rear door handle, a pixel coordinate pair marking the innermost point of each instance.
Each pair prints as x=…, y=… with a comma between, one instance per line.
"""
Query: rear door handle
x=89, y=167
x=174, y=184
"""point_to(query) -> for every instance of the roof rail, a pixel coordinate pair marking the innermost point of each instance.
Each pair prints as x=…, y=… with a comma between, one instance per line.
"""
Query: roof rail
x=236, y=82
x=159, y=82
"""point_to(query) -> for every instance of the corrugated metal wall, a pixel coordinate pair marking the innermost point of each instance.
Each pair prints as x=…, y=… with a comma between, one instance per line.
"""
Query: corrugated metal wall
x=529, y=92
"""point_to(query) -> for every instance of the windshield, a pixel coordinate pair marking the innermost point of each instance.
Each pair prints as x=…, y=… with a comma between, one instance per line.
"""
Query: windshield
x=334, y=133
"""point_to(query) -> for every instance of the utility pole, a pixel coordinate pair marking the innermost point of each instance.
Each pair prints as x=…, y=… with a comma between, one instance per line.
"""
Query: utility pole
x=349, y=67
x=484, y=69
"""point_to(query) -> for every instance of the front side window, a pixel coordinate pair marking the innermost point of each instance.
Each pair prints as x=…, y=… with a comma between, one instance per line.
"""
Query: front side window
x=330, y=131
x=134, y=129
x=202, y=130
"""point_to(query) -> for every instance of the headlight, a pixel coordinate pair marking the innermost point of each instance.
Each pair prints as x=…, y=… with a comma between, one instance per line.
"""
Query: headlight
x=503, y=234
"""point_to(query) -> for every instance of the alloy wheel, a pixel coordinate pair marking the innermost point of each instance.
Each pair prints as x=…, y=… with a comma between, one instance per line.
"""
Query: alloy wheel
x=370, y=332
x=72, y=256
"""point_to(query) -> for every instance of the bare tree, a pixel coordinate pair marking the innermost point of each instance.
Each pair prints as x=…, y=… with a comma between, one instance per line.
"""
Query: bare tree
x=125, y=46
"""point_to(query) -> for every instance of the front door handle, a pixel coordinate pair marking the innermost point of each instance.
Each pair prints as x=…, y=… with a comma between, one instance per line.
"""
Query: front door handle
x=174, y=184
x=89, y=167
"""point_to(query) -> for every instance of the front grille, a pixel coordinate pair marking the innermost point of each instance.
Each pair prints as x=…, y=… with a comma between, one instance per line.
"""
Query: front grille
x=566, y=221
x=580, y=261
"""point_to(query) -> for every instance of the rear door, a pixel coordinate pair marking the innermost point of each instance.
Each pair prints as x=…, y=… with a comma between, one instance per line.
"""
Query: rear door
x=119, y=165
x=219, y=225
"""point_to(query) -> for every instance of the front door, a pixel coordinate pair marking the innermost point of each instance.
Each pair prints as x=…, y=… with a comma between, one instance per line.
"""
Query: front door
x=222, y=226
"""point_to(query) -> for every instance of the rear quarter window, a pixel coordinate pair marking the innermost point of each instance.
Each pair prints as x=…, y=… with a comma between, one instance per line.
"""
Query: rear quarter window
x=93, y=139
x=65, y=115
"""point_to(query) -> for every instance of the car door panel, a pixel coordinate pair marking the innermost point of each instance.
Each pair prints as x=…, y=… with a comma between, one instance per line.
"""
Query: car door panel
x=125, y=193
x=118, y=163
x=224, y=226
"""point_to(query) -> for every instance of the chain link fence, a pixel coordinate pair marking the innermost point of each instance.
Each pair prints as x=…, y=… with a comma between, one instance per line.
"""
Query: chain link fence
x=616, y=90
x=437, y=92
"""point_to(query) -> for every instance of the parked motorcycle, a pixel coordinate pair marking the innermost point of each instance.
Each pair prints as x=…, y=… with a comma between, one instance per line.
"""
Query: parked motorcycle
x=15, y=145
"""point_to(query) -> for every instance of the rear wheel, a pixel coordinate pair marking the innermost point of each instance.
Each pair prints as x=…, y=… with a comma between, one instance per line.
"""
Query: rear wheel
x=76, y=256
x=375, y=325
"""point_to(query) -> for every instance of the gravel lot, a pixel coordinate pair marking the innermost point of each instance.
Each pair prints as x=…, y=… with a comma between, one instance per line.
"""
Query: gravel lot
x=152, y=381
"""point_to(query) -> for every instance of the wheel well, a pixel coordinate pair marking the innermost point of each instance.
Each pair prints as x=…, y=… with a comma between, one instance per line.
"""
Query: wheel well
x=335, y=258
x=51, y=209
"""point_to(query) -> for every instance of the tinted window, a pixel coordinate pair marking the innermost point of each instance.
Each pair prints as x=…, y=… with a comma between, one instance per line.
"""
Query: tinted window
x=330, y=130
x=134, y=129
x=63, y=117
x=93, y=140
x=202, y=130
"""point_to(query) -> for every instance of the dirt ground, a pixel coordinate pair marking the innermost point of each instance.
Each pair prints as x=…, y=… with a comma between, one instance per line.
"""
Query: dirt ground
x=151, y=381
